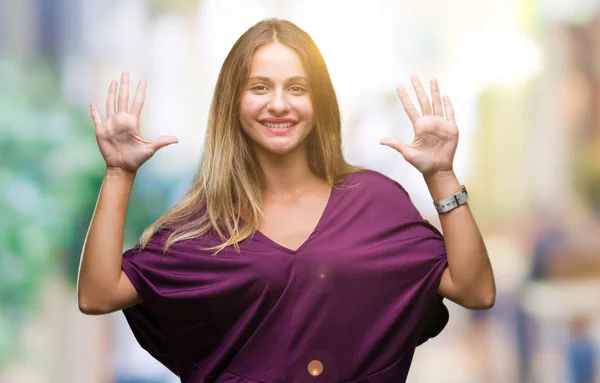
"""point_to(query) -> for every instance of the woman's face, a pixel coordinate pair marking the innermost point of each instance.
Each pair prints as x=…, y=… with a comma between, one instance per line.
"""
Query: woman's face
x=276, y=110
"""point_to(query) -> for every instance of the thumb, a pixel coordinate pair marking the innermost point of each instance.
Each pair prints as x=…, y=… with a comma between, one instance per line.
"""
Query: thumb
x=163, y=141
x=397, y=144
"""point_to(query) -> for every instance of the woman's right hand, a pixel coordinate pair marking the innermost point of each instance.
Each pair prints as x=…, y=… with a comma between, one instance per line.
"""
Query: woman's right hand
x=118, y=136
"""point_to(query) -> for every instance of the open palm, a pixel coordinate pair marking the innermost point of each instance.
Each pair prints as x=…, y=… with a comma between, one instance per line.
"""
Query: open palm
x=119, y=138
x=436, y=136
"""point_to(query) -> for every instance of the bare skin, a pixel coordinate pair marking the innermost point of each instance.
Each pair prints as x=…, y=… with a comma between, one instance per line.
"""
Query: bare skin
x=305, y=206
x=469, y=279
x=277, y=90
x=102, y=286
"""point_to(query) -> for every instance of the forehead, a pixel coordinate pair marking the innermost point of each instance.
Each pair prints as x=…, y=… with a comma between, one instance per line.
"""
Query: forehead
x=277, y=61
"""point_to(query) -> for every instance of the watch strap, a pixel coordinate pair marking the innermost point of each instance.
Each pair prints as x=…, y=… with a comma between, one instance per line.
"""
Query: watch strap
x=452, y=202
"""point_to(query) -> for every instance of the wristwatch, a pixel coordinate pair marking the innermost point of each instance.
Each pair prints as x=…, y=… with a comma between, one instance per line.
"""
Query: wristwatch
x=452, y=202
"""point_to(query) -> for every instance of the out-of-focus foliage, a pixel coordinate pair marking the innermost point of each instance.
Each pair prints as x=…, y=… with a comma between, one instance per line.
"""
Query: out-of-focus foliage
x=45, y=168
x=50, y=173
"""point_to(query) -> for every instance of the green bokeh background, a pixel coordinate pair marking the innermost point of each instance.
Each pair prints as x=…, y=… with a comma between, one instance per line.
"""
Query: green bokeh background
x=50, y=175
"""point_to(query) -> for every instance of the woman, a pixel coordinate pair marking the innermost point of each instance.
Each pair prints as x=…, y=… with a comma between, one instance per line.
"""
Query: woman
x=283, y=263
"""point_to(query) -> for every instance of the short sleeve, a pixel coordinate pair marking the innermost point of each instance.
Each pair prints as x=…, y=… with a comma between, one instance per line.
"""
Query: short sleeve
x=432, y=248
x=421, y=251
x=139, y=270
x=436, y=315
x=149, y=334
x=142, y=267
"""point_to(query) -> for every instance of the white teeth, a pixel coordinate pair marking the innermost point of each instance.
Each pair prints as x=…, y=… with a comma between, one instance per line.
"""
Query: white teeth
x=278, y=126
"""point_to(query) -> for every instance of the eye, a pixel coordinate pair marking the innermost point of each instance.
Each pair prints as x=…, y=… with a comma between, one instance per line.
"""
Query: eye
x=298, y=89
x=259, y=88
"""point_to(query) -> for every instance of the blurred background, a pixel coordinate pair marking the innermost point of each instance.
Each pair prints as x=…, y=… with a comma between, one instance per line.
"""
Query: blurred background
x=524, y=77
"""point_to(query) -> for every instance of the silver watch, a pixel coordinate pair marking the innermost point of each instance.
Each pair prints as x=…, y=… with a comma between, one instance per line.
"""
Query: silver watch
x=452, y=202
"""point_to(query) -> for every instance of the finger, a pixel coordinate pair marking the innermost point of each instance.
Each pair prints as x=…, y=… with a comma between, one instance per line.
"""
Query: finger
x=95, y=115
x=138, y=99
x=397, y=144
x=449, y=110
x=407, y=104
x=111, y=99
x=421, y=96
x=123, y=100
x=436, y=98
x=163, y=141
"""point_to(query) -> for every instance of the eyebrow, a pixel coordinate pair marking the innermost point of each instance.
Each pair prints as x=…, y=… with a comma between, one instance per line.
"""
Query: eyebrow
x=291, y=79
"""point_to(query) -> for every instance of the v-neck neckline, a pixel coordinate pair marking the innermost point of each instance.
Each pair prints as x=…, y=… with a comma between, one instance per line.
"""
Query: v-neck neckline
x=310, y=237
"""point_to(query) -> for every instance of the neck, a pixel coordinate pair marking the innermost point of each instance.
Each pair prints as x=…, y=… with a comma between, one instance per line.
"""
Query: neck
x=287, y=175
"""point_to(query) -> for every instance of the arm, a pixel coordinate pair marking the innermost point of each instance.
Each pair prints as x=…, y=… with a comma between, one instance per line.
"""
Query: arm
x=469, y=279
x=102, y=286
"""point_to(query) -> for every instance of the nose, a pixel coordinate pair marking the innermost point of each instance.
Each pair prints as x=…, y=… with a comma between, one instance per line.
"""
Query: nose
x=278, y=103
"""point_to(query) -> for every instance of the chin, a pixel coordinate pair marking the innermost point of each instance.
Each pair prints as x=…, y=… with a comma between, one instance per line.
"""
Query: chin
x=296, y=142
x=280, y=149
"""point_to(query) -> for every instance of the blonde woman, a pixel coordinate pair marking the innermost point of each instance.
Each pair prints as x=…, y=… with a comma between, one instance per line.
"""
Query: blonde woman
x=283, y=263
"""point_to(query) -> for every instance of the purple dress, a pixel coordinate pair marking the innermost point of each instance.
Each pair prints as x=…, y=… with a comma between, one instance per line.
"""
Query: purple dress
x=350, y=305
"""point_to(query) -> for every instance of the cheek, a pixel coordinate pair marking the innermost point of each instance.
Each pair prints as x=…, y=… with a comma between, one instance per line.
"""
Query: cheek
x=249, y=108
x=305, y=110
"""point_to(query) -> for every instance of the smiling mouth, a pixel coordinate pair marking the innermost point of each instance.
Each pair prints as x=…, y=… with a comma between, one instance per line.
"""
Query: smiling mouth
x=279, y=125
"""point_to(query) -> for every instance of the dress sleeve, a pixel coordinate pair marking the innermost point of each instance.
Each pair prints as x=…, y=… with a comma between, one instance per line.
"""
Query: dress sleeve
x=435, y=319
x=428, y=260
x=143, y=268
x=432, y=250
x=149, y=334
x=425, y=255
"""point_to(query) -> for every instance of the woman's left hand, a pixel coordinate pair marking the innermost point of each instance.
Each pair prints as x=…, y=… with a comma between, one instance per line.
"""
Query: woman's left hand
x=436, y=137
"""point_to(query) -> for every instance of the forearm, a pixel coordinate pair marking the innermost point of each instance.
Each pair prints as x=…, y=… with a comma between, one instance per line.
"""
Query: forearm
x=468, y=262
x=101, y=259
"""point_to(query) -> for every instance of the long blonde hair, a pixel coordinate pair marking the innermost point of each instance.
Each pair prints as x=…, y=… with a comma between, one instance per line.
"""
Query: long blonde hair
x=226, y=192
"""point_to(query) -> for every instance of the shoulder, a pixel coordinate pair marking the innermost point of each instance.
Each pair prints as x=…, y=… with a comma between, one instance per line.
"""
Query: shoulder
x=156, y=241
x=378, y=191
x=374, y=184
x=180, y=245
x=182, y=231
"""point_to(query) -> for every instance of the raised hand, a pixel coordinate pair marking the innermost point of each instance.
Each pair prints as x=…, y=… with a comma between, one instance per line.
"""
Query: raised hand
x=118, y=136
x=436, y=136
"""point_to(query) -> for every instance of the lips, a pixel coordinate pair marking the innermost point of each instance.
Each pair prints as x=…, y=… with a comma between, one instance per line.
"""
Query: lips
x=274, y=120
x=279, y=125
x=279, y=129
